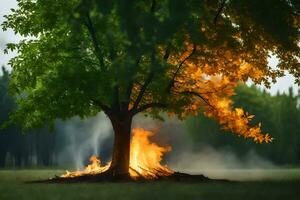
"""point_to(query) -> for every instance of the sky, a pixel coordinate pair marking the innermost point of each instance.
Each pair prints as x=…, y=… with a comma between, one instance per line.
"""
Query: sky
x=282, y=84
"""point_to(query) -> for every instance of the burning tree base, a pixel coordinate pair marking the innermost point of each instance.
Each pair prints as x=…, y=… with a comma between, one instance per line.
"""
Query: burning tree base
x=145, y=164
x=97, y=173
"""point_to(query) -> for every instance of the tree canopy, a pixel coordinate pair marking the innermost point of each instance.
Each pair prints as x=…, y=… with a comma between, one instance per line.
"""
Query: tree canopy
x=87, y=56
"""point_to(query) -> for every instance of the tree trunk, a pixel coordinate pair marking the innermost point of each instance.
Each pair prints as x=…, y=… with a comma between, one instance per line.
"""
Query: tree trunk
x=121, y=150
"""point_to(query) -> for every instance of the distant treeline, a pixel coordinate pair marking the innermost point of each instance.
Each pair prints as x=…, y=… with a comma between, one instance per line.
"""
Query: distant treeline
x=17, y=149
x=43, y=147
x=279, y=116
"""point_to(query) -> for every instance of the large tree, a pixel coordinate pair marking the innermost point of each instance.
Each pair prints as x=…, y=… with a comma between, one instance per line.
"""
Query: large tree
x=127, y=57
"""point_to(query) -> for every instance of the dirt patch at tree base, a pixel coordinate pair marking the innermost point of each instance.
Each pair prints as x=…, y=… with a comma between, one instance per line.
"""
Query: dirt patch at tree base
x=175, y=177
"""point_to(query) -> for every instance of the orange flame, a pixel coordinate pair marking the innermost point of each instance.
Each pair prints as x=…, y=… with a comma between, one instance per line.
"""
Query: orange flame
x=93, y=168
x=145, y=159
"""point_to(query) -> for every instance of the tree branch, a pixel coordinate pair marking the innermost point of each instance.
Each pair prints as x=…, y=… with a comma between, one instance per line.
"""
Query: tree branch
x=116, y=103
x=171, y=84
x=167, y=53
x=220, y=10
x=198, y=95
x=104, y=107
x=115, y=89
x=130, y=84
x=150, y=76
x=147, y=106
x=144, y=86
x=88, y=23
x=143, y=90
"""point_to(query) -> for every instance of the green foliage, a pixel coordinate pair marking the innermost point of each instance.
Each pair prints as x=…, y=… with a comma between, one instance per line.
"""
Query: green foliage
x=87, y=51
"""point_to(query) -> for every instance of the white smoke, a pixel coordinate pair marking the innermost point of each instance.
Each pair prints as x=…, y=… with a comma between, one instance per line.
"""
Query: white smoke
x=223, y=164
x=219, y=163
x=83, y=139
x=89, y=137
x=209, y=158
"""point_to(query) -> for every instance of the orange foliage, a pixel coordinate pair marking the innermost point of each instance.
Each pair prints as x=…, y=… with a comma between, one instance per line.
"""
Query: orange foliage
x=211, y=87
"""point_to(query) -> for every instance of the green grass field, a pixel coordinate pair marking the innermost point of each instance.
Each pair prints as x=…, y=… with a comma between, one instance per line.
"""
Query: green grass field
x=13, y=186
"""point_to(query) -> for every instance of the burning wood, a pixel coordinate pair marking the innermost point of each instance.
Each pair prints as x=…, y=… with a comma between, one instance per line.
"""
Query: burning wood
x=93, y=168
x=145, y=159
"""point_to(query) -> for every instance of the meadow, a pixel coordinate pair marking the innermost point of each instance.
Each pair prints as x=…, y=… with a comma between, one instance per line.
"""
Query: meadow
x=14, y=185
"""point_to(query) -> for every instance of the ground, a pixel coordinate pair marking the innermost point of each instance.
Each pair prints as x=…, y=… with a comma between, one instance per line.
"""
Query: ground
x=13, y=186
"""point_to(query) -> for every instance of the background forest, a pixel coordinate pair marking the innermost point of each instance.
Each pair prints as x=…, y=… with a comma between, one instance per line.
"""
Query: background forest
x=279, y=115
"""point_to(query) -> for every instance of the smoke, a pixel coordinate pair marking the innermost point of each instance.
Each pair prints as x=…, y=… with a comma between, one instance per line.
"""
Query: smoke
x=83, y=138
x=219, y=163
x=223, y=164
x=94, y=136
x=209, y=158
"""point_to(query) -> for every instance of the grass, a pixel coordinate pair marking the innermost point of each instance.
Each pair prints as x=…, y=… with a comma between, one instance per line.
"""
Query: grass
x=13, y=186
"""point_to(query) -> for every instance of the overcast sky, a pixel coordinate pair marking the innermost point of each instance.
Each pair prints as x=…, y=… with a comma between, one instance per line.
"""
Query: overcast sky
x=5, y=5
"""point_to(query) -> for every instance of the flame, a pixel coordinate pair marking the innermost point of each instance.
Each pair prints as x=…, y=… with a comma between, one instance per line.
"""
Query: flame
x=145, y=159
x=93, y=168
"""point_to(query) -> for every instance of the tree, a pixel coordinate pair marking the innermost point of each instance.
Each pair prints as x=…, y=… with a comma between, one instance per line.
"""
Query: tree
x=87, y=56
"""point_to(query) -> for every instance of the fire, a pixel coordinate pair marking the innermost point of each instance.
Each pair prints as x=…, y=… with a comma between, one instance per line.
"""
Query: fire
x=145, y=159
x=93, y=168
